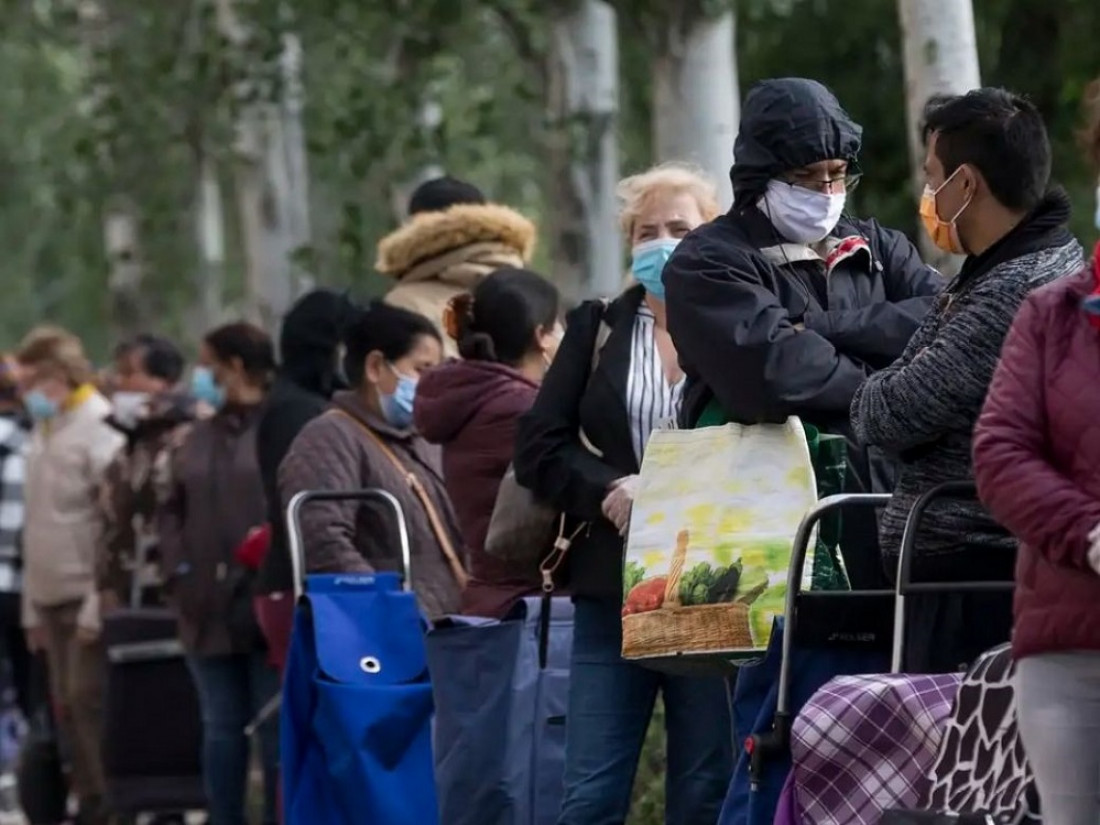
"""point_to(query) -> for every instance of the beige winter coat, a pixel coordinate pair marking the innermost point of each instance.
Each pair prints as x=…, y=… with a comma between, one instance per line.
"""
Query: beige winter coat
x=65, y=465
x=437, y=255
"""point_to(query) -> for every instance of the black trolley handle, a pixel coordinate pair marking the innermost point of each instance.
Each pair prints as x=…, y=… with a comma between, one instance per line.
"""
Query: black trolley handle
x=800, y=548
x=294, y=528
x=906, y=586
x=762, y=746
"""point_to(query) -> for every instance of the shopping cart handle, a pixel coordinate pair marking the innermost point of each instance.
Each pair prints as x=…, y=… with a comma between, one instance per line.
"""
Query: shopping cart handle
x=763, y=746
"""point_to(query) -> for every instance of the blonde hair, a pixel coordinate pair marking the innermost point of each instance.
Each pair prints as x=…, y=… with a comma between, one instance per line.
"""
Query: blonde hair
x=57, y=352
x=637, y=192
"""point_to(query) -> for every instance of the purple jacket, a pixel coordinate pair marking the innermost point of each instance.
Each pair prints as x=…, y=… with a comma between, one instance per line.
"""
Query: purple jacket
x=1036, y=450
x=472, y=409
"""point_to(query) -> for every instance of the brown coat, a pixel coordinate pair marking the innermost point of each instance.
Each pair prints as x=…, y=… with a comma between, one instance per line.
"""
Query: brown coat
x=211, y=497
x=438, y=255
x=334, y=453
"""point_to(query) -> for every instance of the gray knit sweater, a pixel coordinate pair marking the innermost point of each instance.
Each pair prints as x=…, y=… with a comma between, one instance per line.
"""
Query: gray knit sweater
x=923, y=408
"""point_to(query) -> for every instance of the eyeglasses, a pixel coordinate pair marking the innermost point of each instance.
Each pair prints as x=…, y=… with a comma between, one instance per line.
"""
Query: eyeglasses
x=827, y=185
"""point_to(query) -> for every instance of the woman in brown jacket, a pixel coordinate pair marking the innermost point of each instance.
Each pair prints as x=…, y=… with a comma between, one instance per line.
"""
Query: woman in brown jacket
x=212, y=498
x=366, y=440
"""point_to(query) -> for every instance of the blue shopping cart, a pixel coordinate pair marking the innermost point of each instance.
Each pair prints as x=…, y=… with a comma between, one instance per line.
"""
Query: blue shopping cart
x=357, y=707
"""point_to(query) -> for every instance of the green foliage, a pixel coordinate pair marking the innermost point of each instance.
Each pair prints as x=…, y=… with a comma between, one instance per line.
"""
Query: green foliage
x=704, y=584
x=633, y=573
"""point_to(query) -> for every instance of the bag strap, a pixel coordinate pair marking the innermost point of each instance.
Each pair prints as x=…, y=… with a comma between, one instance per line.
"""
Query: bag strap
x=417, y=486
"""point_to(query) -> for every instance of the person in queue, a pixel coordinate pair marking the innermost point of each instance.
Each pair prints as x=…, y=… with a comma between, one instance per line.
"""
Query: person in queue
x=784, y=305
x=15, y=432
x=451, y=241
x=579, y=449
x=211, y=499
x=1036, y=449
x=987, y=169
x=148, y=409
x=310, y=371
x=507, y=331
x=367, y=439
x=71, y=446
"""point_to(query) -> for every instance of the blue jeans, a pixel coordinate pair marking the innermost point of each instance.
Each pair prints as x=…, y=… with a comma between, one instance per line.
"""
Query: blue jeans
x=232, y=690
x=610, y=705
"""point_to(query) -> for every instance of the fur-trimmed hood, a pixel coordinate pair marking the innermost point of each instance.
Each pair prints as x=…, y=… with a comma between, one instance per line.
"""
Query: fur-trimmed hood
x=430, y=243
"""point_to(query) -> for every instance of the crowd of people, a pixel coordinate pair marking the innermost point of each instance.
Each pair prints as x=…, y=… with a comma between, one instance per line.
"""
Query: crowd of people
x=150, y=482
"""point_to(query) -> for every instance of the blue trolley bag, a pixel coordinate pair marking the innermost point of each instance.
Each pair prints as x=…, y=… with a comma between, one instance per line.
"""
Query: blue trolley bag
x=501, y=689
x=356, y=715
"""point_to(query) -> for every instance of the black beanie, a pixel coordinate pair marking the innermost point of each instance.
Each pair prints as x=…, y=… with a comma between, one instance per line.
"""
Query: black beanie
x=439, y=193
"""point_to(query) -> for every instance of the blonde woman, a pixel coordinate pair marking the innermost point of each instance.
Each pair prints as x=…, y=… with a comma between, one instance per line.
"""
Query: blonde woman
x=636, y=387
x=70, y=448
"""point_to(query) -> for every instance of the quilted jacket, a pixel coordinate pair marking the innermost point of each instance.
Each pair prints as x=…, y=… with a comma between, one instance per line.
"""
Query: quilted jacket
x=472, y=409
x=1036, y=454
x=333, y=452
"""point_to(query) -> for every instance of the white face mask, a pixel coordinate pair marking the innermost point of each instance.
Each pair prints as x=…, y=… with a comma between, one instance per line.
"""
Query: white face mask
x=799, y=214
x=129, y=407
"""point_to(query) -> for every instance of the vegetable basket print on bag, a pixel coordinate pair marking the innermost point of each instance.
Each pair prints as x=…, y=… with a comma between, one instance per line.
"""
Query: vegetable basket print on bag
x=710, y=539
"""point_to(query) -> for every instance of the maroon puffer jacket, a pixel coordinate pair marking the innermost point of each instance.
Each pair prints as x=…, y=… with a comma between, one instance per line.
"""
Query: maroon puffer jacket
x=472, y=409
x=1037, y=463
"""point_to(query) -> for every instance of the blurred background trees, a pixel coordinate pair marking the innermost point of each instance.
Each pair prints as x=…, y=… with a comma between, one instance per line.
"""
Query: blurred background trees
x=169, y=165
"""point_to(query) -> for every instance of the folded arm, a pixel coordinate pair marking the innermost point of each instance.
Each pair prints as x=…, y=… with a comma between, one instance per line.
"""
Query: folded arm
x=732, y=332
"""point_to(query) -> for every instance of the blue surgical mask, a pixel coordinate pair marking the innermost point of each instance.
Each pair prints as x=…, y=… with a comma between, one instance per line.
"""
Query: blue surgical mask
x=205, y=388
x=650, y=258
x=397, y=407
x=39, y=407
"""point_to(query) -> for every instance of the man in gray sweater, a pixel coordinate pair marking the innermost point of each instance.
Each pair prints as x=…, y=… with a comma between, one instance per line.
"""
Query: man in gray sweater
x=987, y=170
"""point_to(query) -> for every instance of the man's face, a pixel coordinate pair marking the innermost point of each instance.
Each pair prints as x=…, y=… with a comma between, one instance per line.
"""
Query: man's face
x=828, y=176
x=953, y=192
x=130, y=374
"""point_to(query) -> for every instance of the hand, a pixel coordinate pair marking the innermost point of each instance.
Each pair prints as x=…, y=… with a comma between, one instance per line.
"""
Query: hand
x=619, y=501
x=1094, y=549
x=108, y=602
x=86, y=635
x=36, y=639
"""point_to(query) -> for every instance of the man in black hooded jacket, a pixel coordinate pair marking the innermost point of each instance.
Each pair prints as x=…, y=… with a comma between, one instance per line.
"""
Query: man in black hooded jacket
x=309, y=373
x=784, y=305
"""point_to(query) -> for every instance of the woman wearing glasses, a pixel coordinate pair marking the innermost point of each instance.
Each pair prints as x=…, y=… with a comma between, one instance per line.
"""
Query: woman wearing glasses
x=784, y=305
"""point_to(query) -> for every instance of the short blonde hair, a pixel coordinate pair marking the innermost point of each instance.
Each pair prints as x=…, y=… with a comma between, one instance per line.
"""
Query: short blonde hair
x=56, y=351
x=637, y=192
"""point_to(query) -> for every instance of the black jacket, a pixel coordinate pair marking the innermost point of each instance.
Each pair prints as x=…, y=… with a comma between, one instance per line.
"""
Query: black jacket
x=308, y=376
x=772, y=329
x=551, y=459
x=736, y=293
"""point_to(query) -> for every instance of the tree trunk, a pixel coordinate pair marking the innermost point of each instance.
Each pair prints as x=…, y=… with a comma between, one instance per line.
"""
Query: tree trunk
x=124, y=283
x=270, y=176
x=941, y=57
x=210, y=235
x=696, y=102
x=584, y=102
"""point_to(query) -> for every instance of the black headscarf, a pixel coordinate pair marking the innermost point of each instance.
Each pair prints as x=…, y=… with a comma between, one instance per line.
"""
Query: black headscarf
x=787, y=123
x=311, y=333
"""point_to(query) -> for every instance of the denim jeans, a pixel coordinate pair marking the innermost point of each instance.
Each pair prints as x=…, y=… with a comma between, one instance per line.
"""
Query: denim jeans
x=232, y=690
x=610, y=706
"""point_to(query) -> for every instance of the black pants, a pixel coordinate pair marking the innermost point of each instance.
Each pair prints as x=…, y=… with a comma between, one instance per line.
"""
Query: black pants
x=946, y=632
x=13, y=650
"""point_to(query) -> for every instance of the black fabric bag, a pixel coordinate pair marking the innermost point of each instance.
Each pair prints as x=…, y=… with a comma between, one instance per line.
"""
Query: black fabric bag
x=40, y=775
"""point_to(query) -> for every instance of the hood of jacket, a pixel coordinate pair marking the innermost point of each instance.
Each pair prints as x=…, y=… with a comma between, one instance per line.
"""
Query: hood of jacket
x=451, y=396
x=309, y=338
x=787, y=123
x=446, y=245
